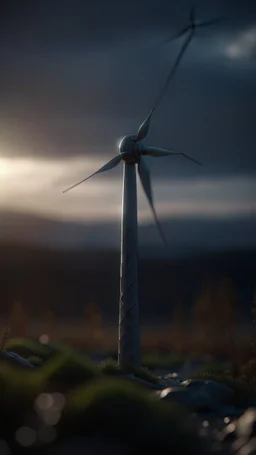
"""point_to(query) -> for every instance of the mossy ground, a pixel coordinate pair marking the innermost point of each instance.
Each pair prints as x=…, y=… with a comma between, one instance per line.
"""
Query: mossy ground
x=110, y=367
x=99, y=403
x=96, y=405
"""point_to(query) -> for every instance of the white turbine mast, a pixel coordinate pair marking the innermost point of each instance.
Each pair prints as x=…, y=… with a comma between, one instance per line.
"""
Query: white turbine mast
x=132, y=152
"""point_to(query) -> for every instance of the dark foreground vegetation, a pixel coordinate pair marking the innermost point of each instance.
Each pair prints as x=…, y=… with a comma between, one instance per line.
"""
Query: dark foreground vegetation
x=77, y=398
x=66, y=398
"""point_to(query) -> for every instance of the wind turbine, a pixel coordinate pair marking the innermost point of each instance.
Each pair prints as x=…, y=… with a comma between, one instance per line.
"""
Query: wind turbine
x=132, y=152
x=190, y=30
x=193, y=25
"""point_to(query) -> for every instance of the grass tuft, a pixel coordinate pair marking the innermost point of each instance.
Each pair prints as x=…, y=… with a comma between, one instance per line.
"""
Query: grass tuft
x=110, y=367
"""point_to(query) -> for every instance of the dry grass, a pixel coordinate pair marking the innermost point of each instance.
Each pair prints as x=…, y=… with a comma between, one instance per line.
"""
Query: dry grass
x=159, y=341
x=4, y=336
x=211, y=329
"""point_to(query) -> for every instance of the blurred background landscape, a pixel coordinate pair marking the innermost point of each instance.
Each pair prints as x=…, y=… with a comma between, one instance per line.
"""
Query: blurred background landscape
x=72, y=83
x=189, y=305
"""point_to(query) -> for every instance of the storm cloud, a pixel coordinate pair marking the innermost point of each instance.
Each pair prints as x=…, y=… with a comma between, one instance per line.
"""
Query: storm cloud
x=78, y=75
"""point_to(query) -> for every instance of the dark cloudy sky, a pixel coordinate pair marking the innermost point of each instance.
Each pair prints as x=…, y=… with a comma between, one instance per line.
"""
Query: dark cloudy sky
x=77, y=75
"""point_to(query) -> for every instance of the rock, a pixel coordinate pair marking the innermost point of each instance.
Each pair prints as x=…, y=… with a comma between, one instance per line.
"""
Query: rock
x=208, y=394
x=147, y=384
x=15, y=359
x=177, y=394
x=230, y=411
x=170, y=380
x=169, y=383
x=199, y=395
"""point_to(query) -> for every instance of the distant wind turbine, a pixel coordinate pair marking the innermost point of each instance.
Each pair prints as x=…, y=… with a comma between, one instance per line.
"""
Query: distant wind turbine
x=132, y=152
x=189, y=30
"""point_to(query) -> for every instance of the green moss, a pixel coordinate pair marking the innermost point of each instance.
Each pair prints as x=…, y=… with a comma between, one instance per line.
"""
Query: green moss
x=20, y=388
x=109, y=366
x=67, y=370
x=115, y=410
x=97, y=405
x=61, y=373
x=35, y=360
x=28, y=348
x=18, y=394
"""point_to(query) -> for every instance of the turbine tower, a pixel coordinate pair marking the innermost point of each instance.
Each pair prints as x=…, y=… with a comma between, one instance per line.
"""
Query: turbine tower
x=132, y=153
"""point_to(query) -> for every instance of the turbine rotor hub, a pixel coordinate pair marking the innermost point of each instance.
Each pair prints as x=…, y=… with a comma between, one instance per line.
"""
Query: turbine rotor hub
x=130, y=148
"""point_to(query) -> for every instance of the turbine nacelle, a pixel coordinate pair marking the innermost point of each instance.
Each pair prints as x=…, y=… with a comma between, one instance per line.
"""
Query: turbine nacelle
x=130, y=149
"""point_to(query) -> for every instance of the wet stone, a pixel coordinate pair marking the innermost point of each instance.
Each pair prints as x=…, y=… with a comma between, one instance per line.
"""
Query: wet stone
x=14, y=359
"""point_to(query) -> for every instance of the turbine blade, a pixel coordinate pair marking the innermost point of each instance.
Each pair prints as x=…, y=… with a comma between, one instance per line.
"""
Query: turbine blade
x=109, y=165
x=144, y=127
x=146, y=185
x=158, y=152
x=176, y=36
x=210, y=22
x=175, y=67
x=191, y=159
x=192, y=14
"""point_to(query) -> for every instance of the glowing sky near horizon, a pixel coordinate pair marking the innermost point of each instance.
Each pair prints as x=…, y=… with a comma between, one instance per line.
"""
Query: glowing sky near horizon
x=35, y=186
